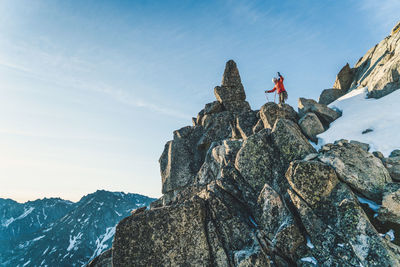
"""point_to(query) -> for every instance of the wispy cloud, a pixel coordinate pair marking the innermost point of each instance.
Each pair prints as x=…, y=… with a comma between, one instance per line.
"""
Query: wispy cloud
x=131, y=100
x=71, y=72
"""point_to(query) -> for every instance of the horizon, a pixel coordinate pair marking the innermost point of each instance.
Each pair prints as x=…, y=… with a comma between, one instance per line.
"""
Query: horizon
x=91, y=193
x=91, y=92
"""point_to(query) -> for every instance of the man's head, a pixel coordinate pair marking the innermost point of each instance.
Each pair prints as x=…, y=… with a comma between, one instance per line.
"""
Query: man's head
x=274, y=80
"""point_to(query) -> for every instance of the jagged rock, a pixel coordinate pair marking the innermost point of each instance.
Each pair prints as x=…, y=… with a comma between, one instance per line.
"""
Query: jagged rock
x=344, y=78
x=199, y=117
x=278, y=223
x=213, y=107
x=217, y=127
x=364, y=146
x=378, y=154
x=311, y=126
x=325, y=114
x=395, y=153
x=231, y=88
x=218, y=155
x=231, y=75
x=311, y=190
x=245, y=122
x=395, y=29
x=172, y=235
x=181, y=159
x=339, y=230
x=311, y=156
x=256, y=161
x=137, y=211
x=229, y=93
x=358, y=168
x=156, y=204
x=103, y=260
x=329, y=95
x=290, y=142
x=259, y=126
x=237, y=106
x=392, y=164
x=390, y=209
x=270, y=112
x=379, y=68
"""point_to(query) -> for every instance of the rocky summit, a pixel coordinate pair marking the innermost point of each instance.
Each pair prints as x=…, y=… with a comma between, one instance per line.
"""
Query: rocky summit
x=245, y=187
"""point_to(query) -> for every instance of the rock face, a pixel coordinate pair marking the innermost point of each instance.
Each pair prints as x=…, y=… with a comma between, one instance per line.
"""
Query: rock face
x=393, y=166
x=390, y=210
x=359, y=169
x=271, y=111
x=344, y=78
x=379, y=68
x=329, y=95
x=231, y=92
x=246, y=188
x=325, y=114
x=311, y=126
x=103, y=260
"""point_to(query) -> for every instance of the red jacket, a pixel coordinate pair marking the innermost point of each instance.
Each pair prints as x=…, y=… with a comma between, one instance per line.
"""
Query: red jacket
x=279, y=87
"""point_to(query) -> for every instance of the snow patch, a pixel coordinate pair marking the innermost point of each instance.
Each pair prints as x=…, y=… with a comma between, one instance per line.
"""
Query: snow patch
x=309, y=244
x=360, y=113
x=44, y=252
x=23, y=215
x=241, y=255
x=101, y=241
x=390, y=234
x=310, y=259
x=74, y=242
x=38, y=238
x=371, y=204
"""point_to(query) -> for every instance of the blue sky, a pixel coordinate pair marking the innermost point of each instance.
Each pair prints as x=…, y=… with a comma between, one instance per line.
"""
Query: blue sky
x=90, y=91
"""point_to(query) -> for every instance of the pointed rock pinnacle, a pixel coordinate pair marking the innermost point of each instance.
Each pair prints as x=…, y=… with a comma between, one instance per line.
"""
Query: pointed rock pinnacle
x=231, y=88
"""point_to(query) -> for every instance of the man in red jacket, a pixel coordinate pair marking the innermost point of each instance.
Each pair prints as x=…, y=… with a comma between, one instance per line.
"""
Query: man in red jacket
x=280, y=88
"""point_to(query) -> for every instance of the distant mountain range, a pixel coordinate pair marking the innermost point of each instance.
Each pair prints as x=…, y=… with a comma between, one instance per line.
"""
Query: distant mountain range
x=57, y=232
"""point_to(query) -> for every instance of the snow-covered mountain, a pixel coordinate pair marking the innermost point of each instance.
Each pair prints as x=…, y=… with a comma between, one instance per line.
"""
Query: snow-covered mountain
x=56, y=232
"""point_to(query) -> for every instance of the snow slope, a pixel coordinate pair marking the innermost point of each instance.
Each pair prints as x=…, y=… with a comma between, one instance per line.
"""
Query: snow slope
x=360, y=113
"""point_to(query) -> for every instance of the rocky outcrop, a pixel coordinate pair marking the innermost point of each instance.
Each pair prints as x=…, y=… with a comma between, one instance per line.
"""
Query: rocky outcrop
x=246, y=188
x=359, y=169
x=379, y=68
x=325, y=114
x=390, y=209
x=181, y=159
x=395, y=29
x=329, y=95
x=344, y=78
x=392, y=164
x=270, y=112
x=291, y=144
x=103, y=260
x=339, y=231
x=231, y=92
x=311, y=126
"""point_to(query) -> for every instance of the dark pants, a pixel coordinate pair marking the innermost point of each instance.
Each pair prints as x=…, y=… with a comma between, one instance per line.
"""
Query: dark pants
x=282, y=97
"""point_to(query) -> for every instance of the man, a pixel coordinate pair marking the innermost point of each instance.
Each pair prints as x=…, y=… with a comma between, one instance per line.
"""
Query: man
x=280, y=88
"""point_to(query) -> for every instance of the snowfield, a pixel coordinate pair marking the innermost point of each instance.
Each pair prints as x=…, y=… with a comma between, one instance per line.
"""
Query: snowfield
x=360, y=114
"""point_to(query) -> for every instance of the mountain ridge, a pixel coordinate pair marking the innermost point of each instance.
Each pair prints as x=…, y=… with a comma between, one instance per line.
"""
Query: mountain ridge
x=81, y=229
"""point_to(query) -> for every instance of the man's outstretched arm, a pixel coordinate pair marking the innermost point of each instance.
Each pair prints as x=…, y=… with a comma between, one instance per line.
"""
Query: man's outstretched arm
x=270, y=91
x=280, y=76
